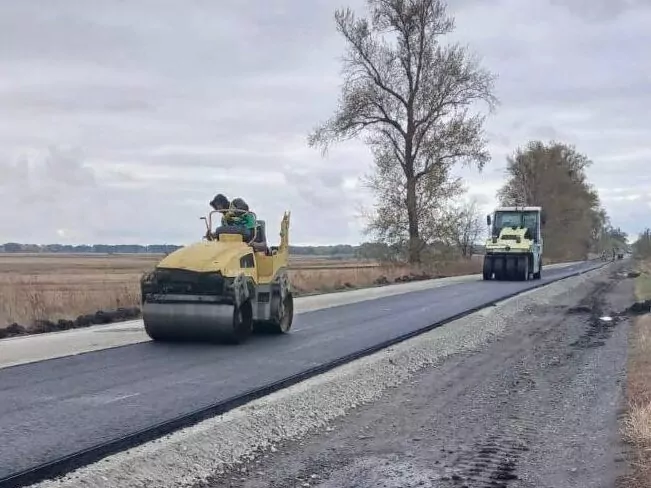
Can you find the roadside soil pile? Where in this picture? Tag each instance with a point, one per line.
(98, 318)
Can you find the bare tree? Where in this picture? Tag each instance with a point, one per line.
(467, 227)
(411, 98)
(390, 223)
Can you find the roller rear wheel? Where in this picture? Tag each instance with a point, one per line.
(487, 272)
(523, 268)
(242, 323)
(287, 317)
(283, 322)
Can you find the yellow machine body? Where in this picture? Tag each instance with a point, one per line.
(515, 246)
(221, 288)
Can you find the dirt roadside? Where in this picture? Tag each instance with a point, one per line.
(636, 424)
(537, 408)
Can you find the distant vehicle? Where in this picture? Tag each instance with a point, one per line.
(515, 247)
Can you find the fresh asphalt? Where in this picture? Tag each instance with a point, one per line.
(57, 407)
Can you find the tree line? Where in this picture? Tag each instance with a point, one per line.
(415, 102)
(367, 250)
(553, 175)
(16, 247)
(338, 250)
(642, 246)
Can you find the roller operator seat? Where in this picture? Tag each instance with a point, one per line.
(259, 244)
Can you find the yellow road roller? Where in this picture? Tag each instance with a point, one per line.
(514, 249)
(221, 289)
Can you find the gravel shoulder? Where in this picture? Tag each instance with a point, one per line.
(536, 407)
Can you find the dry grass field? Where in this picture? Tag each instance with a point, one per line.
(37, 287)
(637, 424)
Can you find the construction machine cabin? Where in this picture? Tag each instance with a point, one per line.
(515, 247)
(220, 289)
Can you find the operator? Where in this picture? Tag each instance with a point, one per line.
(235, 213)
(241, 218)
(220, 202)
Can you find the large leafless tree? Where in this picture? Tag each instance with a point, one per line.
(414, 100)
(389, 222)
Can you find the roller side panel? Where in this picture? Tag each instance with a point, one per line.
(262, 303)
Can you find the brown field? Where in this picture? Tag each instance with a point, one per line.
(637, 423)
(63, 286)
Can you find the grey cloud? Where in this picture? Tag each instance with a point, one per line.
(498, 138)
(84, 99)
(547, 132)
(631, 215)
(66, 167)
(170, 101)
(181, 40)
(601, 10)
(60, 195)
(480, 198)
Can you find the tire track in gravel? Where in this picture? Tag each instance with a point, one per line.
(496, 418)
(486, 462)
(493, 461)
(459, 382)
(505, 448)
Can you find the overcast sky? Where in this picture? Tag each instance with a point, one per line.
(121, 119)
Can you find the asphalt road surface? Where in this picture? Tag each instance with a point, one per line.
(53, 408)
(536, 409)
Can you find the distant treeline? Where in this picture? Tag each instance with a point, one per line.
(14, 247)
(339, 251)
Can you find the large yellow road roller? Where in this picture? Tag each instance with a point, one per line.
(221, 289)
(514, 249)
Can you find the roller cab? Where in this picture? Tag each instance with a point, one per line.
(220, 289)
(514, 250)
